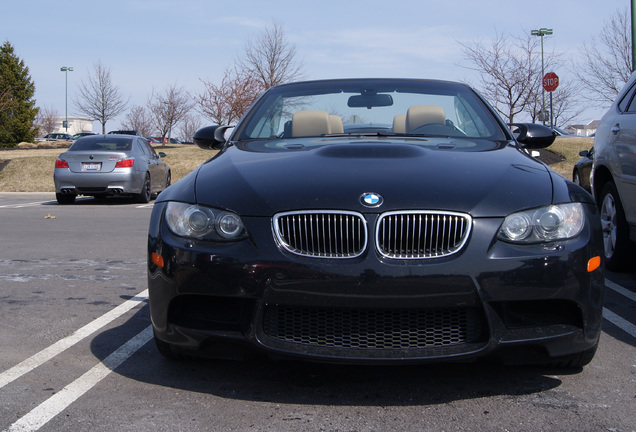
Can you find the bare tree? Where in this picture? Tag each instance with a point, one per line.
(188, 126)
(138, 118)
(168, 108)
(270, 58)
(226, 103)
(99, 98)
(566, 105)
(510, 72)
(48, 120)
(606, 62)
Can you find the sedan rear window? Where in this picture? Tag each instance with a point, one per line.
(102, 144)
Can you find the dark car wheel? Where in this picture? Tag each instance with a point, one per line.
(65, 199)
(144, 196)
(615, 232)
(576, 177)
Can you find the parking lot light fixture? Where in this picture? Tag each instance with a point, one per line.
(66, 70)
(541, 33)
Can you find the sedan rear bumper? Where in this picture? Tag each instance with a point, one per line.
(119, 181)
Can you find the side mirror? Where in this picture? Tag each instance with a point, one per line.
(211, 137)
(162, 155)
(533, 135)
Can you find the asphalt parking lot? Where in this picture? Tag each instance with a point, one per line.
(77, 353)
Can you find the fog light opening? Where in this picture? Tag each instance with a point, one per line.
(593, 264)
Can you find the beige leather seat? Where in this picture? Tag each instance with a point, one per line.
(310, 123)
(335, 124)
(399, 123)
(419, 115)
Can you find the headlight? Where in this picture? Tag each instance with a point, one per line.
(205, 223)
(545, 224)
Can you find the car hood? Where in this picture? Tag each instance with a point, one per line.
(408, 176)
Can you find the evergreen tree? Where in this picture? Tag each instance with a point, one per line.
(17, 106)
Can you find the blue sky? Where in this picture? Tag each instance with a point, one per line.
(150, 44)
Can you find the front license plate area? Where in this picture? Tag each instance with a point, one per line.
(90, 166)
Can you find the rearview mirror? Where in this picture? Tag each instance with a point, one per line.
(370, 100)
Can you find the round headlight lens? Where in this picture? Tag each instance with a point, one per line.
(548, 221)
(198, 221)
(517, 227)
(229, 225)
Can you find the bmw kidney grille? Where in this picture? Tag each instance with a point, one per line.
(398, 235)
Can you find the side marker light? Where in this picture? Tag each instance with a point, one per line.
(158, 259)
(593, 264)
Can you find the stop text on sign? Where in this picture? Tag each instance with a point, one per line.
(550, 81)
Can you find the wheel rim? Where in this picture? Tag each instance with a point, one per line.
(609, 225)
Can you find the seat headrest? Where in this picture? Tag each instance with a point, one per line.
(310, 123)
(399, 123)
(335, 124)
(419, 115)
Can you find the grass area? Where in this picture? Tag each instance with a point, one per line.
(569, 148)
(31, 169)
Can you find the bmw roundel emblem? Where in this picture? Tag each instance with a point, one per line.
(371, 199)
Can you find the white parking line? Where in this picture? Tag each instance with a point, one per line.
(63, 344)
(620, 322)
(54, 405)
(619, 289)
(615, 319)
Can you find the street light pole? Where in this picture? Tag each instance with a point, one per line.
(542, 32)
(66, 69)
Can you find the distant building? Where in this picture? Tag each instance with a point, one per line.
(75, 125)
(583, 130)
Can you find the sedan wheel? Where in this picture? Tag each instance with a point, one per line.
(576, 177)
(144, 196)
(615, 241)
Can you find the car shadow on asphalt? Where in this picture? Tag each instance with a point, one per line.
(299, 382)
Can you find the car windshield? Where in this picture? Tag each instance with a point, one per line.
(102, 143)
(373, 107)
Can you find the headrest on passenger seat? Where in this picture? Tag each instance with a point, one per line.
(419, 115)
(310, 123)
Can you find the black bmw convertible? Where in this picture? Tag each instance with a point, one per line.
(376, 220)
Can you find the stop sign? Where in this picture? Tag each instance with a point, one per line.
(550, 81)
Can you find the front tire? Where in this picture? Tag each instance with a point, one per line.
(615, 230)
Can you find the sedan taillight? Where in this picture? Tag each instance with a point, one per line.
(61, 164)
(126, 163)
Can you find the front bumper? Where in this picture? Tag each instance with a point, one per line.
(491, 299)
